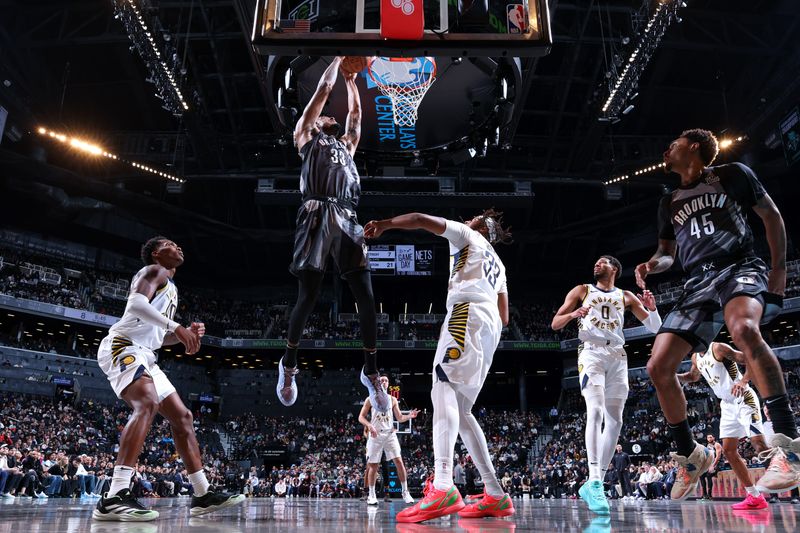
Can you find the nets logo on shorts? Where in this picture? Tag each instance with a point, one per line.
(746, 280)
(452, 354)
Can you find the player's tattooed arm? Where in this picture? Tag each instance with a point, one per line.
(693, 374)
(571, 308)
(304, 130)
(353, 125)
(660, 262)
(776, 238)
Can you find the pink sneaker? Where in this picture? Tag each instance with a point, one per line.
(751, 503)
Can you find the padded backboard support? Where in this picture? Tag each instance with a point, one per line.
(476, 28)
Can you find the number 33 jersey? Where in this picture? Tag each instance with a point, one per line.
(476, 272)
(708, 218)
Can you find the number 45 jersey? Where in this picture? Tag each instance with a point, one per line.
(477, 275)
(708, 218)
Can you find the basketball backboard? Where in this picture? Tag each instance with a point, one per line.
(459, 28)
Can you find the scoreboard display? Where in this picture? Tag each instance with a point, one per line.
(401, 260)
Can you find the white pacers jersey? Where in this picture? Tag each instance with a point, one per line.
(603, 325)
(476, 273)
(720, 376)
(165, 300)
(383, 421)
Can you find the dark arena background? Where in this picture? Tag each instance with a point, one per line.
(121, 120)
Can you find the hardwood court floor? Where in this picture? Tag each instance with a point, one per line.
(352, 516)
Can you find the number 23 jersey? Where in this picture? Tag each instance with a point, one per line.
(708, 218)
(476, 272)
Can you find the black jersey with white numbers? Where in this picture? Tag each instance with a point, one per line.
(708, 219)
(328, 170)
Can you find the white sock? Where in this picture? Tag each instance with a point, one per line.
(752, 491)
(199, 483)
(445, 432)
(121, 480)
(372, 490)
(475, 441)
(404, 485)
(611, 430)
(594, 397)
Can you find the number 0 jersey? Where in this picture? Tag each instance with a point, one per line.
(328, 170)
(707, 219)
(165, 300)
(476, 272)
(606, 318)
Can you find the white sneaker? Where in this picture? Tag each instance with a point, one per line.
(7, 496)
(783, 473)
(41, 495)
(286, 394)
(377, 396)
(407, 497)
(372, 500)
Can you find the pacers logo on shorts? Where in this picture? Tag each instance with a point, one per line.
(452, 354)
(580, 368)
(126, 362)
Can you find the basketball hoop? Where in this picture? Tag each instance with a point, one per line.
(405, 80)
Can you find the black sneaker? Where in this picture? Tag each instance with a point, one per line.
(214, 501)
(122, 507)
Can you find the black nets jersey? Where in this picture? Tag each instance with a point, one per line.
(328, 170)
(708, 219)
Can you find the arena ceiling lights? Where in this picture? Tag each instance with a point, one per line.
(87, 147)
(623, 86)
(724, 144)
(161, 58)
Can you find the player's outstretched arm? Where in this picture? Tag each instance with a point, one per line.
(352, 132)
(660, 262)
(693, 375)
(571, 308)
(410, 221)
(304, 129)
(644, 308)
(142, 291)
(776, 238)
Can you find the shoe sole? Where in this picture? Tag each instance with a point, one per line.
(604, 511)
(487, 513)
(422, 516)
(236, 500)
(109, 517)
(759, 488)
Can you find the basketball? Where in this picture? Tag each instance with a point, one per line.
(355, 64)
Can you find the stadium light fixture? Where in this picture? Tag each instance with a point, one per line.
(96, 150)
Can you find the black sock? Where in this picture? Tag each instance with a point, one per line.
(780, 412)
(682, 435)
(290, 357)
(370, 362)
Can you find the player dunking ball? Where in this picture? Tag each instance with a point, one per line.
(704, 221)
(477, 309)
(741, 410)
(127, 358)
(327, 227)
(382, 440)
(603, 364)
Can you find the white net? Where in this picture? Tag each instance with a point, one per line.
(405, 83)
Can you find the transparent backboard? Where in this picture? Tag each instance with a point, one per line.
(462, 28)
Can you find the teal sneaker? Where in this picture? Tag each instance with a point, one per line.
(592, 493)
(600, 524)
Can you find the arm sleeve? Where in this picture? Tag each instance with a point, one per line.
(457, 233)
(665, 229)
(139, 307)
(742, 185)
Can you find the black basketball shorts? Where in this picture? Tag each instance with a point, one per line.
(698, 314)
(326, 229)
